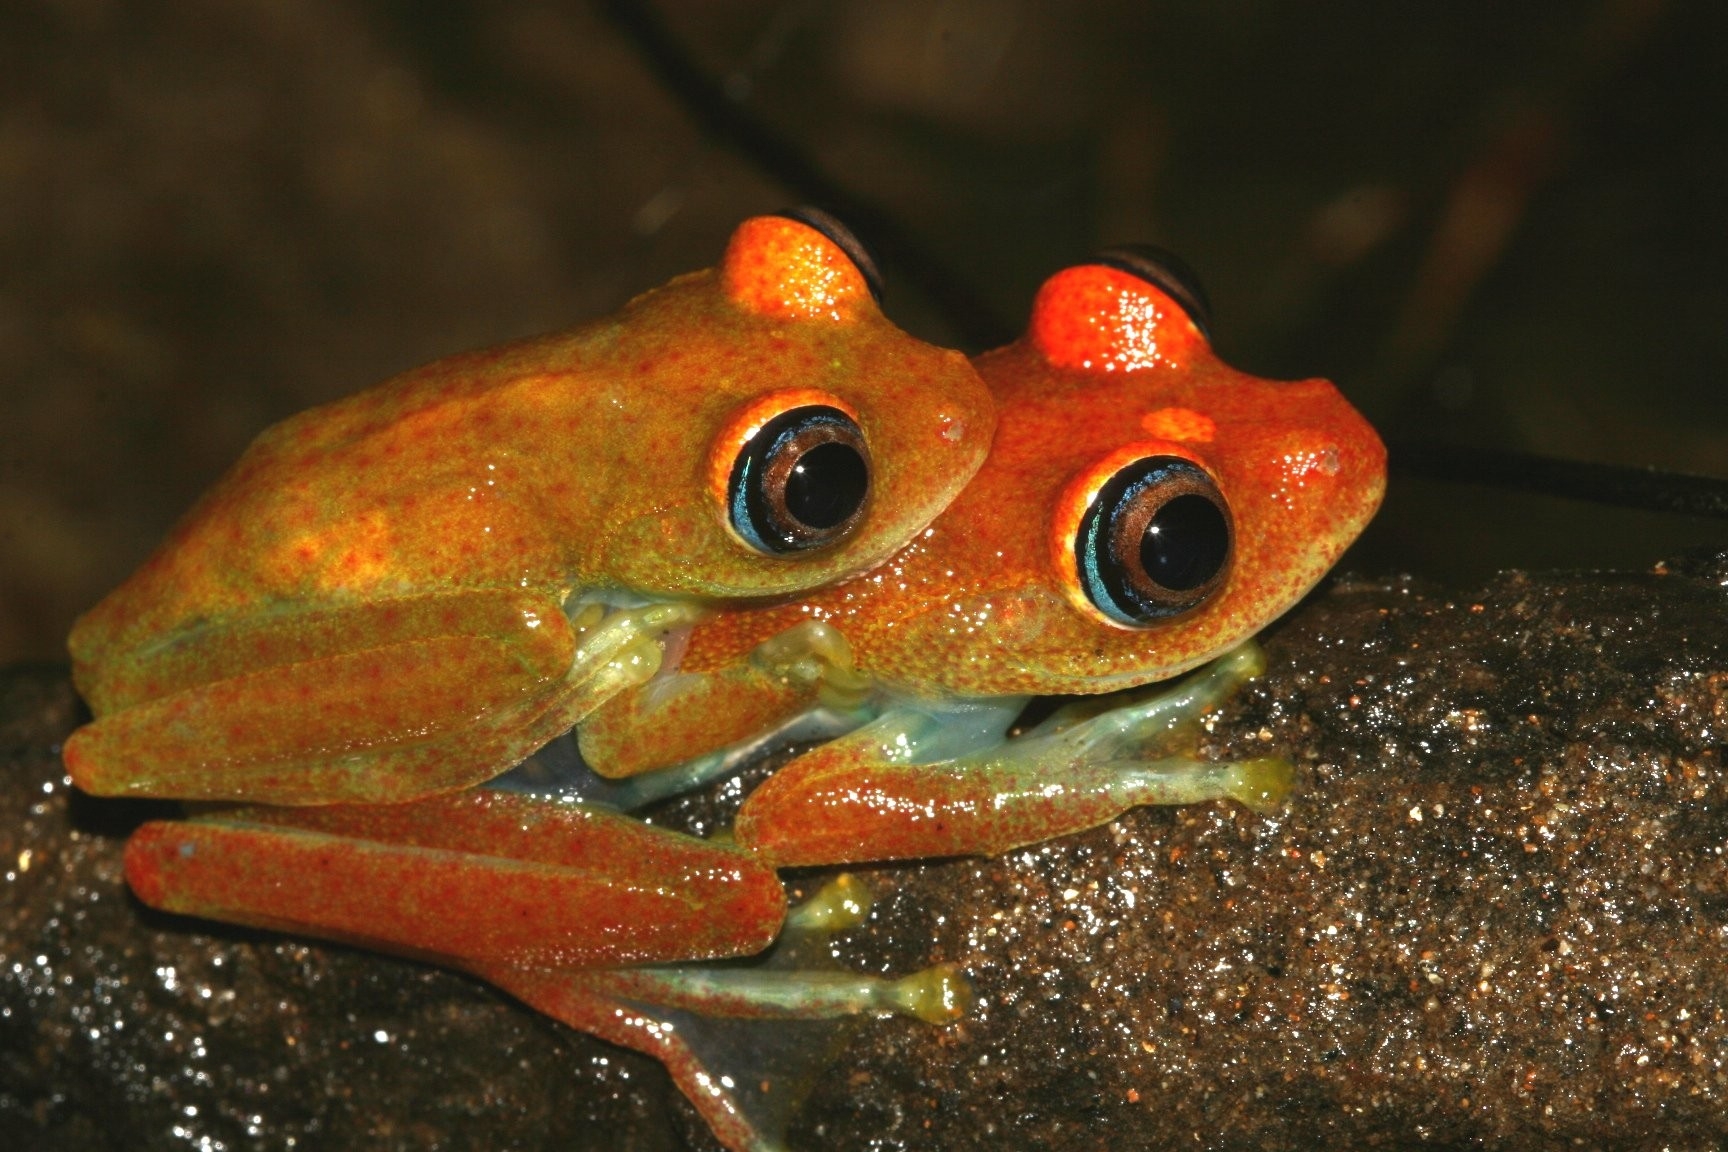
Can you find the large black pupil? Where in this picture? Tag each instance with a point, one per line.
(1185, 544)
(827, 485)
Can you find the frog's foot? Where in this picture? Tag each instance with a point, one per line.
(816, 653)
(742, 1041)
(1166, 720)
(569, 999)
(746, 1074)
(1261, 784)
(688, 730)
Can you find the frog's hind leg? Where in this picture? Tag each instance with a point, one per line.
(567, 999)
(892, 790)
(446, 692)
(552, 902)
(743, 1041)
(478, 878)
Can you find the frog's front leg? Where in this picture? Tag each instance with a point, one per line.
(916, 784)
(686, 730)
(377, 702)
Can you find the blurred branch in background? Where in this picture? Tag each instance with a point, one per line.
(1527, 136)
(728, 121)
(1647, 489)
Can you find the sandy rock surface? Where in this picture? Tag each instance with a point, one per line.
(1495, 911)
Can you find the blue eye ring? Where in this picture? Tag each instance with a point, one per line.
(802, 481)
(1155, 542)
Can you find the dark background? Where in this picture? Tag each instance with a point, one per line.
(1493, 224)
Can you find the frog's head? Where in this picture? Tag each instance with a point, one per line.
(802, 437)
(1144, 508)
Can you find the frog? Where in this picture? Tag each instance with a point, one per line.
(405, 592)
(1144, 510)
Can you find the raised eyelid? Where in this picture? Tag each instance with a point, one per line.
(785, 268)
(1096, 318)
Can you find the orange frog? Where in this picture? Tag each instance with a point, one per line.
(408, 591)
(1144, 509)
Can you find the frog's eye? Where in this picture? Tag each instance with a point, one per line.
(798, 473)
(1166, 272)
(1154, 541)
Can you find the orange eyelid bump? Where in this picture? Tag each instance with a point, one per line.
(1101, 319)
(743, 424)
(1076, 500)
(787, 270)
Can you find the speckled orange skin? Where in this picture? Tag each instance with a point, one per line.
(974, 606)
(981, 603)
(392, 566)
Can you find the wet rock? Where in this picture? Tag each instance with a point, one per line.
(121, 1028)
(1495, 912)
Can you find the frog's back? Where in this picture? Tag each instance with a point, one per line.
(427, 479)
